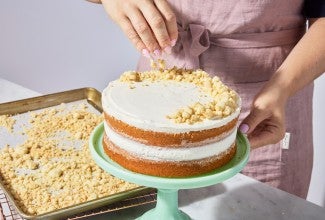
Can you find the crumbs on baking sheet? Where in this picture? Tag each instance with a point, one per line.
(47, 172)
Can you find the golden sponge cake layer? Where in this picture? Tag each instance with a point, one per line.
(186, 139)
(167, 168)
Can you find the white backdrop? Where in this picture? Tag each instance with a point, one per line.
(51, 46)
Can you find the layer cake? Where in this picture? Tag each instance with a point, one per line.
(170, 122)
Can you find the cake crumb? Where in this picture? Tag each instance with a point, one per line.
(159, 64)
(8, 122)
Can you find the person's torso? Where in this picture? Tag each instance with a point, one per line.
(240, 16)
(241, 41)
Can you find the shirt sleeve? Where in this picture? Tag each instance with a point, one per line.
(314, 8)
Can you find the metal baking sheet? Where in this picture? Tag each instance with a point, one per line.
(20, 109)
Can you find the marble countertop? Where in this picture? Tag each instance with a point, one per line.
(240, 197)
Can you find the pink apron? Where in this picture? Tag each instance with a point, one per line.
(244, 42)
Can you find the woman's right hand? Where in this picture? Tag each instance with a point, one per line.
(149, 24)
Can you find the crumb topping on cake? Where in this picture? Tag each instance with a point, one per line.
(224, 100)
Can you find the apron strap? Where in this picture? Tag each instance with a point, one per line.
(259, 40)
(195, 39)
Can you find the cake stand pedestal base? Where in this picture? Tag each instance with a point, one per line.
(167, 196)
(166, 208)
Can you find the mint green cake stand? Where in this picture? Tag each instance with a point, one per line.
(167, 196)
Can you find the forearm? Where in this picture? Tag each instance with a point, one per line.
(305, 62)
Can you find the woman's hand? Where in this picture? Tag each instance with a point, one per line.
(149, 24)
(266, 122)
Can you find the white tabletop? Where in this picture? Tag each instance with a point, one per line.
(240, 197)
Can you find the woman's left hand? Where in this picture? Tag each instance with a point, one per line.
(266, 122)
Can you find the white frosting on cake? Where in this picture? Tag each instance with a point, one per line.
(145, 105)
(170, 154)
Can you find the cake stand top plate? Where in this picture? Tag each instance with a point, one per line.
(216, 176)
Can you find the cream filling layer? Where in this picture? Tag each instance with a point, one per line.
(170, 154)
(145, 106)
